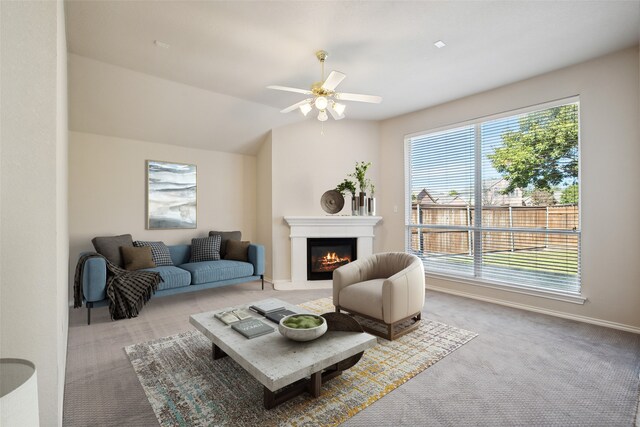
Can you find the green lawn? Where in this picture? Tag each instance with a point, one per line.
(541, 260)
(546, 260)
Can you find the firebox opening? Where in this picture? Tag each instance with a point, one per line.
(327, 254)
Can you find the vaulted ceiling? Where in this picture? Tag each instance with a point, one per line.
(234, 49)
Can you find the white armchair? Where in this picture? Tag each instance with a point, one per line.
(385, 287)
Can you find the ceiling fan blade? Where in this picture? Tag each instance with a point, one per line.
(296, 105)
(333, 80)
(290, 89)
(335, 115)
(358, 97)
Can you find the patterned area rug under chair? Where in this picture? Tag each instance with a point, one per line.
(186, 387)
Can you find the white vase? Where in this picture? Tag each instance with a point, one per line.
(19, 399)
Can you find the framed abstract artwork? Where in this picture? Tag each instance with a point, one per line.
(171, 195)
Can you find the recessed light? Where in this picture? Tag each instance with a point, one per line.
(439, 44)
(162, 44)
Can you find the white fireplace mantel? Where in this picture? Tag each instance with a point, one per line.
(332, 226)
(304, 227)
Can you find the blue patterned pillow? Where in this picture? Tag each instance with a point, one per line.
(159, 252)
(205, 249)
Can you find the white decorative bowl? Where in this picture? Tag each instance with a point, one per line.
(302, 334)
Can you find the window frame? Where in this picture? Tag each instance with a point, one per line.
(561, 295)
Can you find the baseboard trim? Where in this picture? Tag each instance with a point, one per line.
(576, 317)
(288, 285)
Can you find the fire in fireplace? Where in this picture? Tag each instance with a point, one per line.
(328, 262)
(326, 254)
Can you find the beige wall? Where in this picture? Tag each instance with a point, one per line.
(610, 151)
(106, 99)
(62, 206)
(265, 202)
(305, 164)
(34, 244)
(107, 192)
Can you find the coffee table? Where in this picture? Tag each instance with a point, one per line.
(284, 367)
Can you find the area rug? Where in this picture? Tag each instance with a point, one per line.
(186, 387)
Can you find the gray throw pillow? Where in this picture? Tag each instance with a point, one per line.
(109, 247)
(205, 249)
(226, 236)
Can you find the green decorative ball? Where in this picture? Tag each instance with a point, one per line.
(302, 322)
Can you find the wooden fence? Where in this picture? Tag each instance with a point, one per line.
(442, 241)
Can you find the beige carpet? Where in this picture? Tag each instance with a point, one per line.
(186, 387)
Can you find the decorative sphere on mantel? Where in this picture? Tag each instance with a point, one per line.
(332, 202)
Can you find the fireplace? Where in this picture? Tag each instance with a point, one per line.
(360, 228)
(326, 254)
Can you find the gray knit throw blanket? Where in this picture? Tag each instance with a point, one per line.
(128, 291)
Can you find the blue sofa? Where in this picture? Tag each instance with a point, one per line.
(183, 276)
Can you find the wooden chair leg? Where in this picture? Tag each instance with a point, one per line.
(390, 331)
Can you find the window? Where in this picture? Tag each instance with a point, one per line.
(497, 199)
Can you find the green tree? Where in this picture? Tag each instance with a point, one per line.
(454, 193)
(570, 195)
(543, 152)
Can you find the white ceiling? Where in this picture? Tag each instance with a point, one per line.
(237, 48)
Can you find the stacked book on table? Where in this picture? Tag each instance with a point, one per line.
(241, 319)
(234, 315)
(271, 310)
(252, 327)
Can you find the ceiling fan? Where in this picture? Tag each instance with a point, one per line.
(324, 96)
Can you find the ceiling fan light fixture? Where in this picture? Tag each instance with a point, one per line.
(339, 108)
(321, 103)
(323, 95)
(334, 114)
(305, 108)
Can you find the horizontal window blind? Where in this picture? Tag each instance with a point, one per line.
(497, 200)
